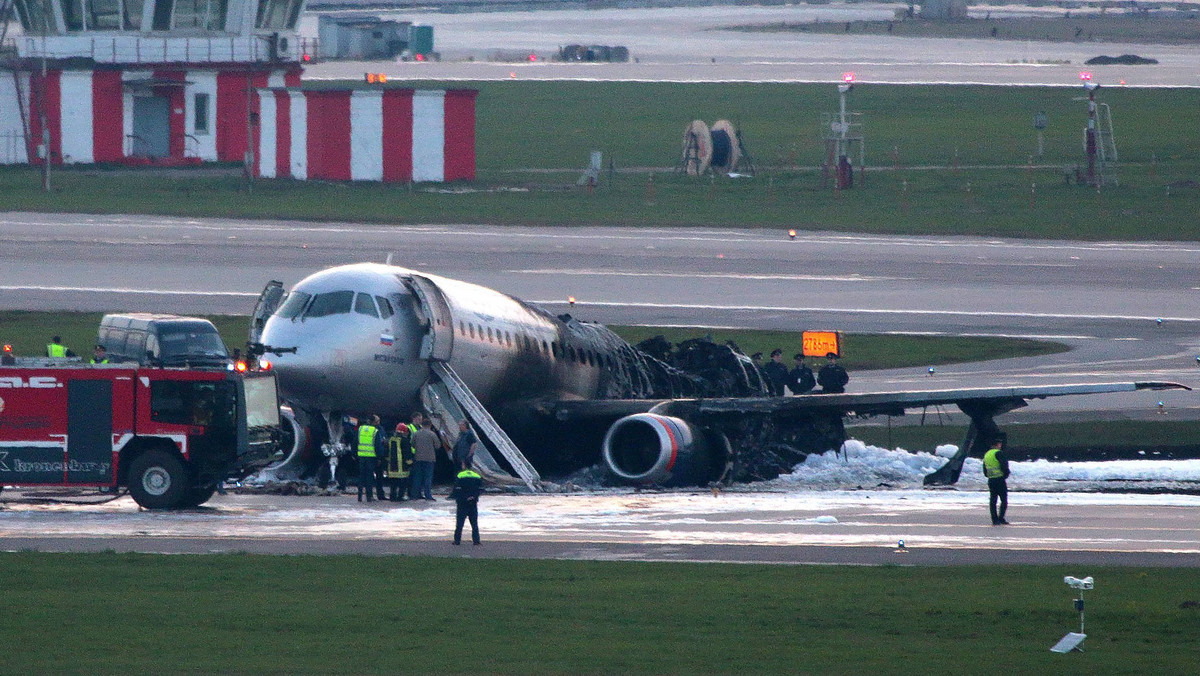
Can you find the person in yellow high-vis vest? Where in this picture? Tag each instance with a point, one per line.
(995, 468)
(370, 445)
(55, 348)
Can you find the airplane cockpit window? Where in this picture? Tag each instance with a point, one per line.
(294, 304)
(385, 307)
(332, 303)
(364, 305)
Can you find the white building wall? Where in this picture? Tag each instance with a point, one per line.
(13, 146)
(205, 145)
(429, 135)
(76, 111)
(366, 136)
(267, 134)
(299, 127)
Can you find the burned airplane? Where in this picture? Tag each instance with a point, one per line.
(552, 394)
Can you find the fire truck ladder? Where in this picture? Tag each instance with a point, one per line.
(463, 397)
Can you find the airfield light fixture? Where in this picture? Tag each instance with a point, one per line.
(1073, 640)
(848, 76)
(931, 370)
(1197, 358)
(1158, 322)
(1086, 76)
(8, 350)
(791, 234)
(571, 300)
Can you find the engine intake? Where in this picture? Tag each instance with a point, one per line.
(648, 448)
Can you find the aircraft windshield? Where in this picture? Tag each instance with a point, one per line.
(291, 307)
(333, 303)
(364, 305)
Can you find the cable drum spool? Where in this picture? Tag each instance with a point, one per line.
(697, 148)
(726, 149)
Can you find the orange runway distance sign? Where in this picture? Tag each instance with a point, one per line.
(821, 343)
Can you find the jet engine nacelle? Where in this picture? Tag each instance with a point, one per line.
(649, 448)
(297, 448)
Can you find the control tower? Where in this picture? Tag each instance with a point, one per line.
(165, 82)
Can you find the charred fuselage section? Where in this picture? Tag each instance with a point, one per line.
(663, 428)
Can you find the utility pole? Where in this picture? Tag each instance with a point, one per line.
(45, 127)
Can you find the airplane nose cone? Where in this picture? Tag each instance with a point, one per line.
(346, 364)
(303, 375)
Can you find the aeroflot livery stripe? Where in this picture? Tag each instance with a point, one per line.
(674, 442)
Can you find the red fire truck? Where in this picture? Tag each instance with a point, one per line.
(168, 434)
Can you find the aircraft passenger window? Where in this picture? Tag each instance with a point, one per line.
(472, 327)
(490, 335)
(332, 303)
(294, 304)
(385, 307)
(508, 338)
(545, 348)
(462, 329)
(363, 305)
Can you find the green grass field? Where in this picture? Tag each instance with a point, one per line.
(916, 136)
(136, 614)
(28, 333)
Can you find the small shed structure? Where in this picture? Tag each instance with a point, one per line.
(392, 134)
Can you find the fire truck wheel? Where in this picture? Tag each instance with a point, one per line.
(198, 495)
(158, 480)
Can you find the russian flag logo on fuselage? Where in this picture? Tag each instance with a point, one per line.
(387, 339)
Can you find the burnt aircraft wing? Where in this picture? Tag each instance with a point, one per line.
(690, 441)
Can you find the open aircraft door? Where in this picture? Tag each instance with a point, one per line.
(268, 301)
(439, 327)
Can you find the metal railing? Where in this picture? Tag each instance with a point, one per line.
(142, 49)
(13, 149)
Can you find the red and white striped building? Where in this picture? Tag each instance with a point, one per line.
(101, 115)
(392, 134)
(173, 82)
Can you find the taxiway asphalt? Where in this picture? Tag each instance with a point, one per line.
(817, 527)
(690, 44)
(1102, 298)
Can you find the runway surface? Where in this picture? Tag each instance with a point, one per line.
(1104, 299)
(687, 44)
(842, 527)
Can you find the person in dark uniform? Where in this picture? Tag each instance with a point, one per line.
(468, 486)
(832, 377)
(801, 379)
(995, 468)
(776, 373)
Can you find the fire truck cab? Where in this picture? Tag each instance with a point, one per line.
(170, 435)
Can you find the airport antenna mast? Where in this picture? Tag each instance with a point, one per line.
(844, 136)
(1098, 140)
